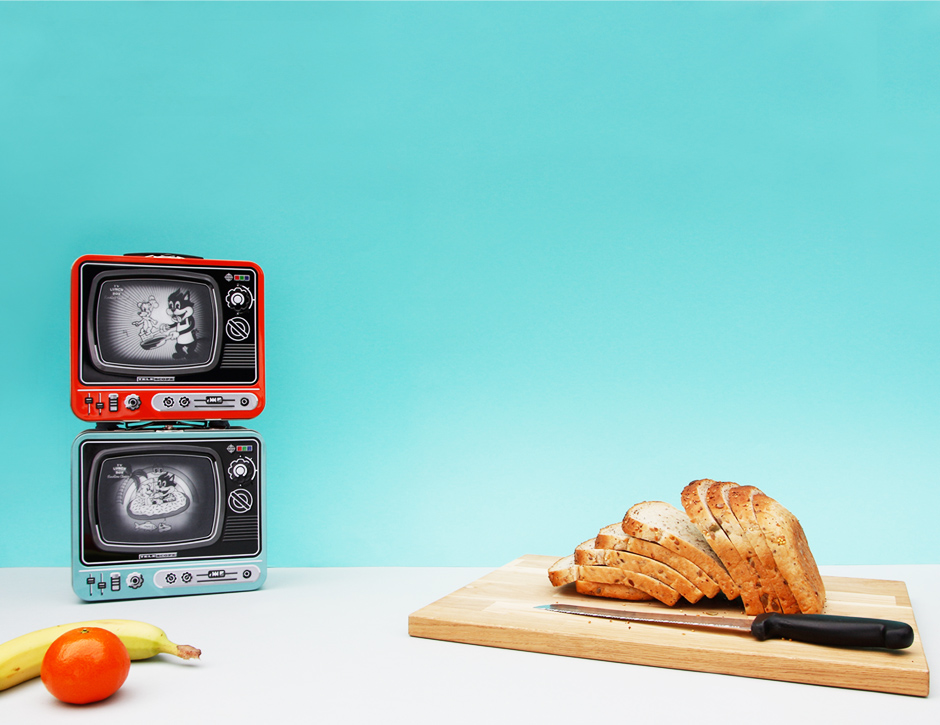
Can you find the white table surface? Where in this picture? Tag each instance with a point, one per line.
(331, 645)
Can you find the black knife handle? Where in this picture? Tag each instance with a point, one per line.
(834, 630)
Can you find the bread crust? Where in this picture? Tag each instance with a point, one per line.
(739, 499)
(694, 501)
(685, 541)
(791, 552)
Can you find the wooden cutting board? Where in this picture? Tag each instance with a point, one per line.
(498, 610)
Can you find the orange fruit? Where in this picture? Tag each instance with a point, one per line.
(85, 665)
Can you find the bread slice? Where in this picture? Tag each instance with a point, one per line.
(720, 507)
(611, 591)
(612, 537)
(587, 555)
(655, 569)
(694, 501)
(790, 549)
(664, 524)
(565, 571)
(615, 575)
(739, 499)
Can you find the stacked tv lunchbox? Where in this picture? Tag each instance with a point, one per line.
(168, 491)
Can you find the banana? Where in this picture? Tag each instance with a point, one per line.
(21, 658)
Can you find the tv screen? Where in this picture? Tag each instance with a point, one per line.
(153, 499)
(154, 324)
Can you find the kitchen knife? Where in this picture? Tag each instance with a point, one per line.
(826, 629)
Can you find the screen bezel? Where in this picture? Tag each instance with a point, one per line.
(90, 514)
(164, 274)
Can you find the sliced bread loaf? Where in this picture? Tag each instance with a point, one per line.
(730, 539)
(664, 524)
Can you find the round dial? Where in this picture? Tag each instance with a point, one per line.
(239, 298)
(241, 470)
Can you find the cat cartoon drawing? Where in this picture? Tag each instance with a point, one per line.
(183, 331)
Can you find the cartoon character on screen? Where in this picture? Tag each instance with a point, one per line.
(183, 329)
(157, 498)
(150, 333)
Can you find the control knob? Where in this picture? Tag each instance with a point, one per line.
(239, 298)
(241, 470)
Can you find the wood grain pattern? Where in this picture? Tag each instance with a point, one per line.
(499, 610)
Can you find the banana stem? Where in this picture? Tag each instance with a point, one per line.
(187, 652)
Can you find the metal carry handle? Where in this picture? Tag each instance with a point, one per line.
(162, 254)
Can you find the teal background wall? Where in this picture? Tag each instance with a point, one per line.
(526, 264)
